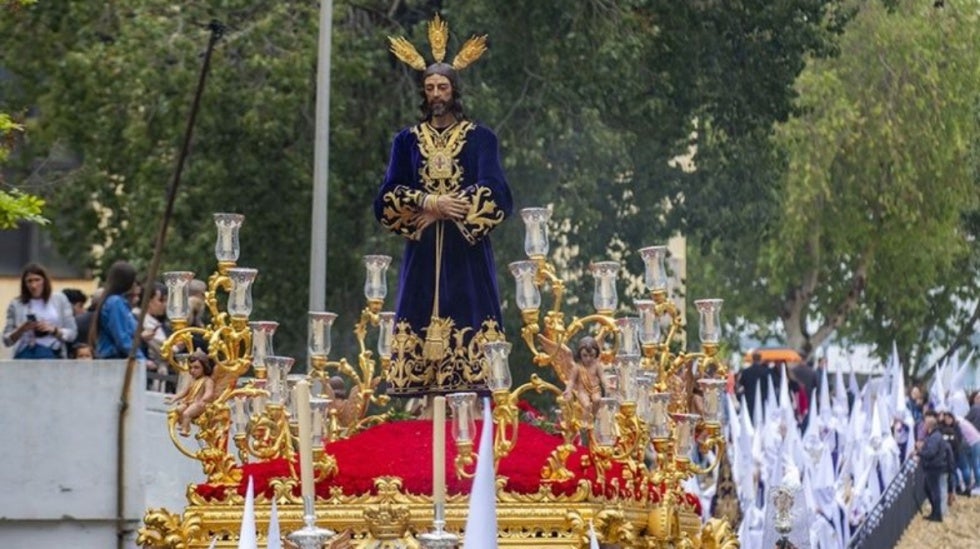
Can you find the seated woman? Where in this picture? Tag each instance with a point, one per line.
(39, 321)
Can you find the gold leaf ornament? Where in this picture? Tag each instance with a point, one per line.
(438, 38)
(470, 52)
(406, 52)
(438, 34)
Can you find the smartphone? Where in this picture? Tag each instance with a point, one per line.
(38, 333)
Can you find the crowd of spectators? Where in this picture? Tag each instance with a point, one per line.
(945, 427)
(754, 383)
(948, 442)
(42, 323)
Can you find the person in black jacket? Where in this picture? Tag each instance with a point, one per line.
(933, 454)
(954, 437)
(751, 379)
(973, 416)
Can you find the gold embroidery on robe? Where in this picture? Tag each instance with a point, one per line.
(483, 215)
(440, 170)
(400, 211)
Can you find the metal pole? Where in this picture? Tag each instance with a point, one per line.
(217, 31)
(321, 163)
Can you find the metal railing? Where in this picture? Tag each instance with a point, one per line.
(888, 519)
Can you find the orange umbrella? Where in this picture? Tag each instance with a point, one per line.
(774, 354)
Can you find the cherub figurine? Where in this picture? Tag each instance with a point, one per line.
(345, 403)
(582, 373)
(192, 400)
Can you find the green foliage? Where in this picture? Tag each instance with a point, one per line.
(591, 100)
(880, 176)
(16, 206)
(8, 129)
(13, 5)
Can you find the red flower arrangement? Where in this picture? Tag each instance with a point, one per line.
(404, 449)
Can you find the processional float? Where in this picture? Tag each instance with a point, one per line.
(346, 461)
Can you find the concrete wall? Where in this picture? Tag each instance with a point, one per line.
(59, 423)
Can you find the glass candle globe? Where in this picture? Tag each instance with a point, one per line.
(649, 324)
(628, 366)
(629, 335)
(644, 383)
(376, 281)
(178, 285)
(290, 396)
(239, 416)
(684, 425)
(277, 368)
(659, 427)
(655, 267)
(386, 333)
(536, 231)
(464, 416)
(256, 404)
(320, 323)
(240, 297)
(604, 298)
(612, 381)
(320, 426)
(709, 313)
(262, 333)
(604, 429)
(711, 391)
(226, 247)
(498, 376)
(528, 297)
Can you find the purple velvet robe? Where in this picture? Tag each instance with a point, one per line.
(467, 283)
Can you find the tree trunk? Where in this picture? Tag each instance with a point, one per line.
(794, 309)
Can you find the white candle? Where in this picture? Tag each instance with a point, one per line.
(226, 240)
(648, 325)
(463, 421)
(709, 323)
(301, 396)
(439, 451)
(499, 367)
(240, 411)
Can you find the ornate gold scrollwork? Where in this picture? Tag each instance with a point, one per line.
(389, 518)
(506, 413)
(674, 372)
(229, 338)
(611, 526)
(218, 464)
(165, 530)
(620, 508)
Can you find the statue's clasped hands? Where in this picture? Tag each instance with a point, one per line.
(442, 206)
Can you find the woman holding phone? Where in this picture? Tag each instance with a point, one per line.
(39, 321)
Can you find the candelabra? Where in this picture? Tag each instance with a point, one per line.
(260, 411)
(652, 390)
(264, 415)
(348, 415)
(629, 417)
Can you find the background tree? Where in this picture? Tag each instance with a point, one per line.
(15, 205)
(603, 96)
(875, 236)
(591, 100)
